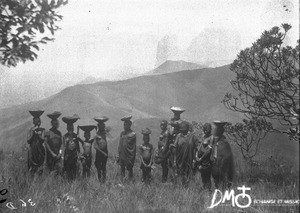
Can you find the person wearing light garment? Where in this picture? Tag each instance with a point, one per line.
(53, 144)
(146, 154)
(35, 139)
(127, 148)
(100, 145)
(185, 147)
(86, 157)
(72, 149)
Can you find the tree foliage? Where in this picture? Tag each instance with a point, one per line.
(21, 24)
(248, 135)
(267, 79)
(294, 132)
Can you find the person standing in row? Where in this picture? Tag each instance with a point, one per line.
(185, 145)
(203, 153)
(86, 157)
(175, 121)
(100, 145)
(127, 148)
(165, 139)
(174, 131)
(35, 139)
(72, 149)
(53, 144)
(221, 156)
(146, 154)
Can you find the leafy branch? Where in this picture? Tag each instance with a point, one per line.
(21, 24)
(248, 135)
(267, 79)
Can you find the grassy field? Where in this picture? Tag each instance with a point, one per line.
(269, 180)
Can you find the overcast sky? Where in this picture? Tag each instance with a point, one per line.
(100, 35)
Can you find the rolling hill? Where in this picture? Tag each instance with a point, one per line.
(147, 98)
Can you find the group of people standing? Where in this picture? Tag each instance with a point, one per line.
(178, 148)
(185, 153)
(50, 148)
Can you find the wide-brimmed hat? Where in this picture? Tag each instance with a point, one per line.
(177, 110)
(219, 124)
(70, 119)
(87, 128)
(54, 115)
(146, 131)
(36, 113)
(101, 119)
(126, 118)
(218, 127)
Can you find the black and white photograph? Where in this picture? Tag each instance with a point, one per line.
(149, 106)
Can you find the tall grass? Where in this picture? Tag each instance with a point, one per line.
(53, 194)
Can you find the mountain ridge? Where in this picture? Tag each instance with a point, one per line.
(145, 97)
(170, 66)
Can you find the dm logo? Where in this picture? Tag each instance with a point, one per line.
(231, 196)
